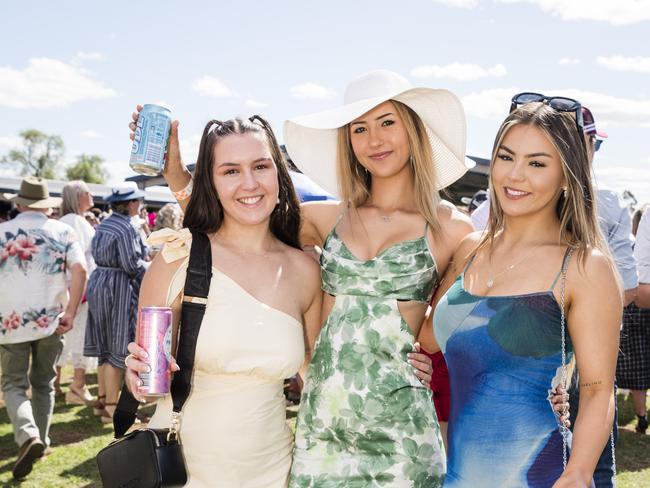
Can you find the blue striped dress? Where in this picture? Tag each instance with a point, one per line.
(113, 289)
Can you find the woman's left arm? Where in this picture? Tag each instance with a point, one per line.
(593, 322)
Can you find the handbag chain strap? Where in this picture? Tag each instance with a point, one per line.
(565, 430)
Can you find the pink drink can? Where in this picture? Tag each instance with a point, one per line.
(154, 334)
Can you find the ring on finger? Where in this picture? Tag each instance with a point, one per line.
(126, 360)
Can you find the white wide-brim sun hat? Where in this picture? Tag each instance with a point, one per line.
(311, 139)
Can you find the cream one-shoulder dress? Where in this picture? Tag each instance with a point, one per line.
(234, 429)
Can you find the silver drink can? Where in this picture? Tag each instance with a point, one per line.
(150, 141)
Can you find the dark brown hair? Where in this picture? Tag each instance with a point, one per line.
(122, 207)
(204, 211)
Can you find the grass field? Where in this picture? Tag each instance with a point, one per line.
(77, 436)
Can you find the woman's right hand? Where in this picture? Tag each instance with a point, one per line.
(137, 362)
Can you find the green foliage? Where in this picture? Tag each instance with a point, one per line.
(88, 168)
(40, 155)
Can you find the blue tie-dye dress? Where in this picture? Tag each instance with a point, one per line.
(504, 354)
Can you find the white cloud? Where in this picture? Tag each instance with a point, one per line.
(458, 3)
(569, 61)
(310, 90)
(48, 83)
(459, 71)
(250, 103)
(212, 87)
(608, 110)
(619, 12)
(612, 110)
(90, 134)
(489, 104)
(623, 63)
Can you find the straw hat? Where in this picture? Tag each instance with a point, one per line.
(34, 193)
(311, 139)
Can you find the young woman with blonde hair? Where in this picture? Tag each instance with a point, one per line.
(536, 290)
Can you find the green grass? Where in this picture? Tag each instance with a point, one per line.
(77, 436)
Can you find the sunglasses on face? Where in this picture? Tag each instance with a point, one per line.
(561, 104)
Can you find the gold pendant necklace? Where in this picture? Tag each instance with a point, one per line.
(490, 281)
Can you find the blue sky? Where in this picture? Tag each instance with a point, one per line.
(77, 69)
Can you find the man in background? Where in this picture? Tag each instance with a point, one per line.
(35, 312)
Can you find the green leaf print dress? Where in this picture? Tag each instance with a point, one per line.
(365, 420)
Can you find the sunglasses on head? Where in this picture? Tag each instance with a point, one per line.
(561, 104)
(596, 143)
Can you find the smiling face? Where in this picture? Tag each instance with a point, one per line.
(527, 176)
(380, 142)
(245, 177)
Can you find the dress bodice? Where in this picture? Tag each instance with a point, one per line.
(240, 335)
(403, 271)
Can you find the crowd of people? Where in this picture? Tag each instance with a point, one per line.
(434, 344)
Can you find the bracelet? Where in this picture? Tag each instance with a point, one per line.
(185, 193)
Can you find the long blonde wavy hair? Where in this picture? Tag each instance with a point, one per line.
(577, 210)
(355, 181)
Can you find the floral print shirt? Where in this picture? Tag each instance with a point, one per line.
(35, 251)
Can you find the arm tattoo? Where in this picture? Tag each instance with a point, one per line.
(591, 383)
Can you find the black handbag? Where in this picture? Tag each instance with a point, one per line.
(153, 458)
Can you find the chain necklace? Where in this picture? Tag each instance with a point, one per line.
(490, 282)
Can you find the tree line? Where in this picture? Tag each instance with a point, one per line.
(41, 155)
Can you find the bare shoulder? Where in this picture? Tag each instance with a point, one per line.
(302, 263)
(318, 218)
(596, 271)
(304, 272)
(322, 212)
(449, 215)
(157, 279)
(454, 223)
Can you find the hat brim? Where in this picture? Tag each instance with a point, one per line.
(50, 202)
(136, 195)
(311, 140)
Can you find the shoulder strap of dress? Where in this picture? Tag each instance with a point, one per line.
(469, 263)
(565, 265)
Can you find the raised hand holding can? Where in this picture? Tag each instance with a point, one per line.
(150, 140)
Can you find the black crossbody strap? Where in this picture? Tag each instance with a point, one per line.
(195, 294)
(195, 298)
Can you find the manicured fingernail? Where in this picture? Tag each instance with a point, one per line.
(145, 355)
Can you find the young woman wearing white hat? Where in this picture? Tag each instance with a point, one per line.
(364, 416)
